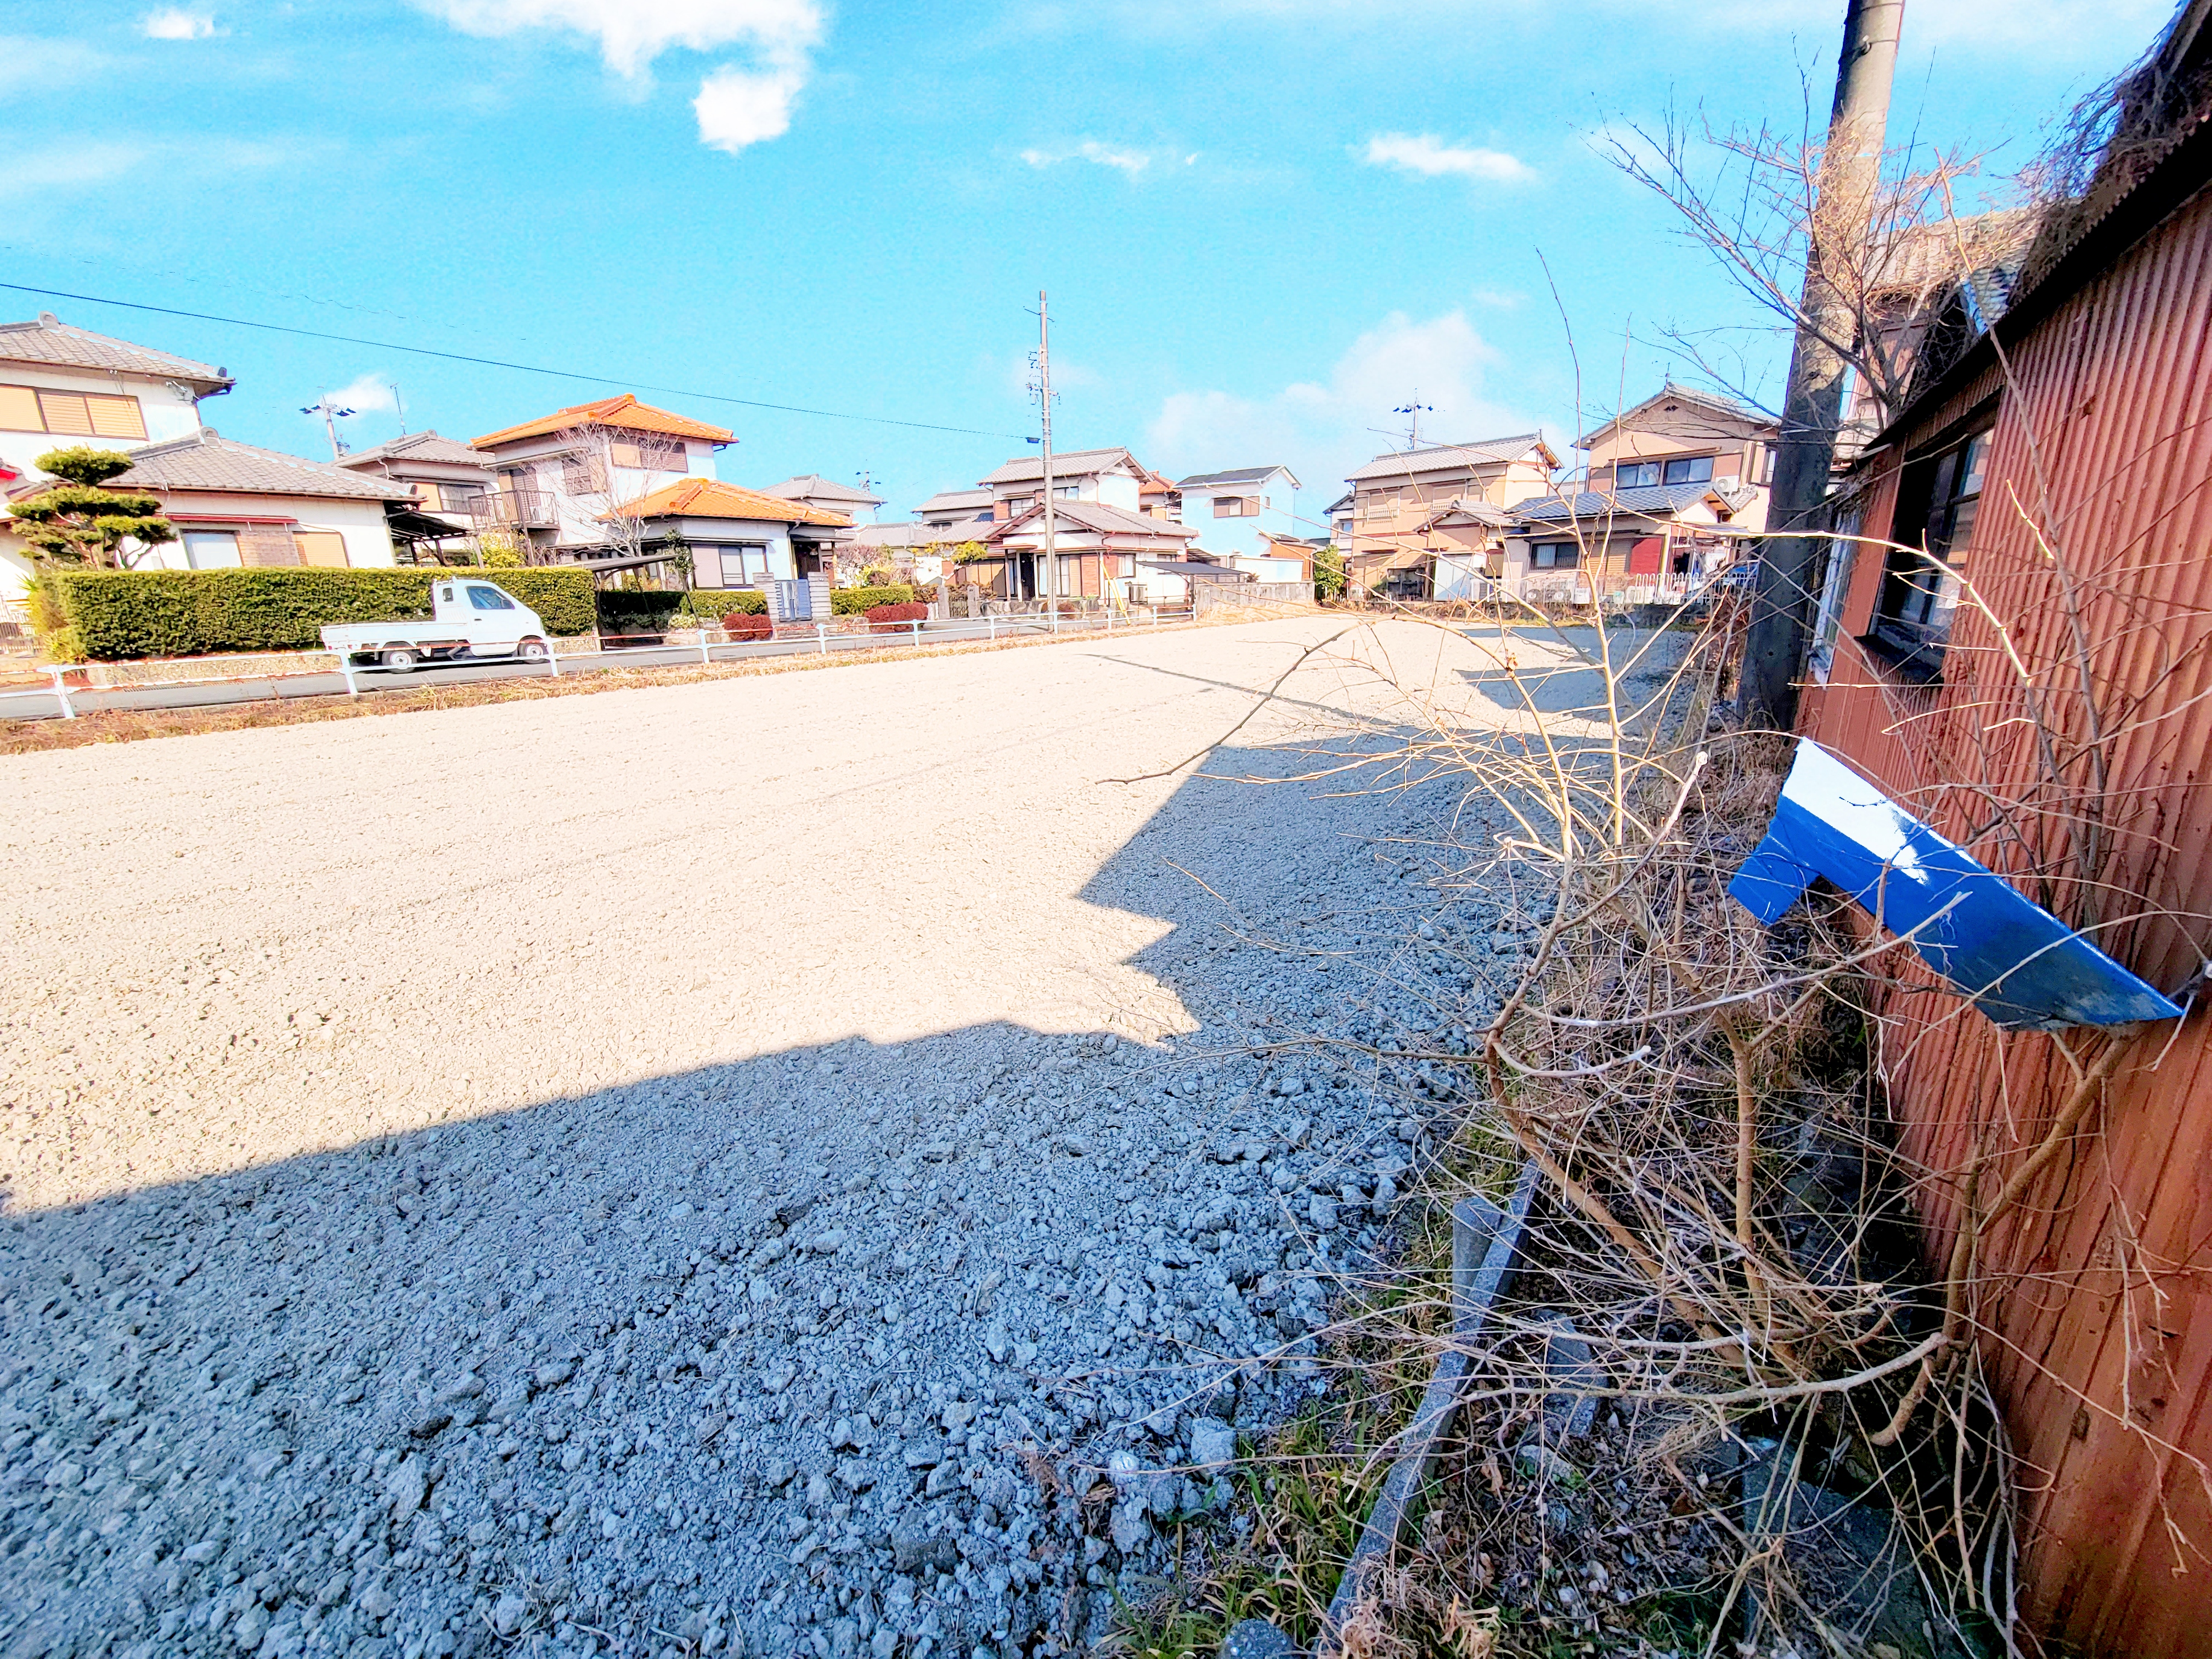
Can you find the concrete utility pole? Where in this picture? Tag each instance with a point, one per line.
(1812, 405)
(1044, 402)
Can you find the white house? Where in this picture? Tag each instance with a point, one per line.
(956, 509)
(1096, 547)
(737, 537)
(844, 500)
(234, 504)
(1239, 512)
(1112, 477)
(62, 387)
(562, 475)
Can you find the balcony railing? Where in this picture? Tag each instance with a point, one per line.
(517, 509)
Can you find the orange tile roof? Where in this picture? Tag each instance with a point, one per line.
(710, 498)
(624, 411)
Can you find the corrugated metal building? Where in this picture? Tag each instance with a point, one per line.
(2046, 700)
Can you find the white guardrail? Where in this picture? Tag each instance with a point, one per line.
(825, 641)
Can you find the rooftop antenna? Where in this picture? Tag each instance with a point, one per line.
(1413, 411)
(399, 404)
(332, 414)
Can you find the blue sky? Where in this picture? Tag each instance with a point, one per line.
(1263, 223)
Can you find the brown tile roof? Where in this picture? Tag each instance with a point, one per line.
(1074, 464)
(710, 498)
(624, 412)
(52, 343)
(212, 462)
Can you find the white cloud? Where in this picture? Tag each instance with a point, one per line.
(372, 393)
(736, 107)
(1129, 163)
(739, 104)
(1431, 158)
(1322, 429)
(175, 23)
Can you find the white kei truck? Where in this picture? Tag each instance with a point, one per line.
(473, 619)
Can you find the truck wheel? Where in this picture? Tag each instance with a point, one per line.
(401, 660)
(531, 651)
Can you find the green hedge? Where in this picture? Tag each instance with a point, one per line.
(120, 614)
(718, 602)
(858, 601)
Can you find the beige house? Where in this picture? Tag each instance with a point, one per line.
(63, 387)
(1408, 509)
(561, 477)
(1674, 487)
(234, 504)
(452, 486)
(1113, 478)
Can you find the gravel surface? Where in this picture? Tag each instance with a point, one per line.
(774, 1167)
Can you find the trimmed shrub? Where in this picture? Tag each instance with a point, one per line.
(858, 601)
(726, 602)
(748, 625)
(561, 599)
(121, 614)
(894, 618)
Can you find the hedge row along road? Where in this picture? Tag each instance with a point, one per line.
(656, 1162)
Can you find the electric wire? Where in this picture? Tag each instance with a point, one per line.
(522, 368)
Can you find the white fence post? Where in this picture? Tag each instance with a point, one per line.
(345, 672)
(992, 618)
(917, 631)
(821, 640)
(61, 692)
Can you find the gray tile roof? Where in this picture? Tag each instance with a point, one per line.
(1075, 463)
(813, 487)
(1237, 476)
(1672, 391)
(955, 501)
(1098, 517)
(212, 461)
(420, 446)
(1487, 451)
(52, 342)
(1646, 501)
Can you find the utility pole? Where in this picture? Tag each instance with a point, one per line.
(323, 407)
(1044, 402)
(1811, 405)
(400, 405)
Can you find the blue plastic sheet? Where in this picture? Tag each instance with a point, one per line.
(2015, 961)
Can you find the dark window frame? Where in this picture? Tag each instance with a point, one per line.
(1572, 561)
(1939, 496)
(1688, 465)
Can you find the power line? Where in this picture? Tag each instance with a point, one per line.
(520, 369)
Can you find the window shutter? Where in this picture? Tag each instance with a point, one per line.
(117, 416)
(65, 411)
(325, 549)
(19, 409)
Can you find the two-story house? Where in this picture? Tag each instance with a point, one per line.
(1674, 488)
(562, 477)
(1429, 522)
(843, 500)
(954, 510)
(452, 486)
(1238, 513)
(62, 387)
(1113, 478)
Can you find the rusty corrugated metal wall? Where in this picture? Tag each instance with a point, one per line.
(2099, 1325)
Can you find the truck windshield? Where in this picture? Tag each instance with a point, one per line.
(489, 598)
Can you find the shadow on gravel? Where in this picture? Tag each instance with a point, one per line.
(747, 1353)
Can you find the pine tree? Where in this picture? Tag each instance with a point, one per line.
(77, 522)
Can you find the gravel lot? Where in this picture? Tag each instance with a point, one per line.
(721, 1169)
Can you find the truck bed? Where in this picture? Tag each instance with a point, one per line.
(374, 636)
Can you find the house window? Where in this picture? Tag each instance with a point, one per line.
(1835, 588)
(650, 455)
(745, 565)
(325, 549)
(76, 413)
(581, 475)
(1017, 505)
(1067, 492)
(460, 497)
(1235, 507)
(1937, 500)
(1383, 504)
(1554, 555)
(1635, 474)
(211, 549)
(1690, 469)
